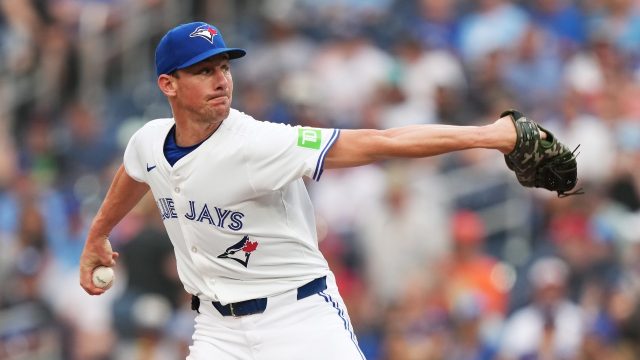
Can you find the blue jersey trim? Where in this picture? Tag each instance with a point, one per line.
(345, 321)
(320, 163)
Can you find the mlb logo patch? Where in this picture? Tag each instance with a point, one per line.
(206, 32)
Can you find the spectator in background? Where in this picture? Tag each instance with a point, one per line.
(471, 272)
(417, 325)
(349, 69)
(39, 158)
(476, 288)
(342, 195)
(344, 259)
(624, 187)
(436, 24)
(487, 90)
(495, 25)
(151, 315)
(152, 294)
(338, 13)
(279, 58)
(620, 21)
(88, 146)
(551, 326)
(420, 73)
(589, 71)
(624, 306)
(29, 328)
(533, 72)
(470, 332)
(150, 267)
(587, 250)
(283, 50)
(575, 124)
(401, 234)
(564, 19)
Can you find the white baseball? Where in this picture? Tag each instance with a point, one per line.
(103, 277)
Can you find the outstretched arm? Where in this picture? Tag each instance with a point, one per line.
(361, 147)
(122, 196)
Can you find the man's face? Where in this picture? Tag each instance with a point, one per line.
(205, 89)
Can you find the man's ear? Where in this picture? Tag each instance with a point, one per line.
(167, 84)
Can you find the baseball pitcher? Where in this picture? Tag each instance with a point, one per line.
(232, 198)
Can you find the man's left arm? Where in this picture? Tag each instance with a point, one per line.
(365, 146)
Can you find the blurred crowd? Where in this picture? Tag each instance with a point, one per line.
(439, 258)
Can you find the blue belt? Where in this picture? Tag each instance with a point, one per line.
(258, 306)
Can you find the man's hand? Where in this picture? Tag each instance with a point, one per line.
(97, 251)
(507, 129)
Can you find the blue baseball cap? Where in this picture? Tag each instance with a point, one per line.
(188, 44)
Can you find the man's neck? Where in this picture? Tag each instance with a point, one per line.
(189, 133)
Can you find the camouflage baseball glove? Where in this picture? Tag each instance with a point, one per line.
(541, 163)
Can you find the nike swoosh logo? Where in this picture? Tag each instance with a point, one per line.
(149, 168)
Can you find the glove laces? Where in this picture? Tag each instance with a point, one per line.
(562, 194)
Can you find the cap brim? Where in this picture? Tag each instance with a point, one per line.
(233, 53)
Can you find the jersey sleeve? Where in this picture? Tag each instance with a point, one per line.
(278, 154)
(131, 161)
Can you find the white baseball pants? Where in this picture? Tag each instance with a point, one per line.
(314, 328)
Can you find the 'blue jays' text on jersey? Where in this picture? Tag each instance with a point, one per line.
(236, 208)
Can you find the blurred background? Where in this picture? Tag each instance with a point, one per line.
(439, 258)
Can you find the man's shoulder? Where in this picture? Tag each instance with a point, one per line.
(245, 123)
(241, 119)
(154, 127)
(157, 124)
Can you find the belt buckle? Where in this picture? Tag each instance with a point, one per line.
(231, 308)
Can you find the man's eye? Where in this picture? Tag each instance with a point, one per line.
(205, 71)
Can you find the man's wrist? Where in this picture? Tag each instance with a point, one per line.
(98, 237)
(503, 134)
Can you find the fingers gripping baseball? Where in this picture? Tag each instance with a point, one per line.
(96, 253)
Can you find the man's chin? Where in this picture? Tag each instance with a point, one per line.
(219, 113)
(224, 113)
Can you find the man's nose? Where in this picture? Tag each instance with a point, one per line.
(221, 79)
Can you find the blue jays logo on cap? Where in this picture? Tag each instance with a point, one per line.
(206, 32)
(182, 47)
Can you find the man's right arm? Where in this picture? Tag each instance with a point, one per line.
(123, 195)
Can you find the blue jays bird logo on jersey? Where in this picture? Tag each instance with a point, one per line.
(245, 245)
(205, 32)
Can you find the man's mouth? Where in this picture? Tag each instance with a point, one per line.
(218, 99)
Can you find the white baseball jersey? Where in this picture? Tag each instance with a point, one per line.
(236, 208)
